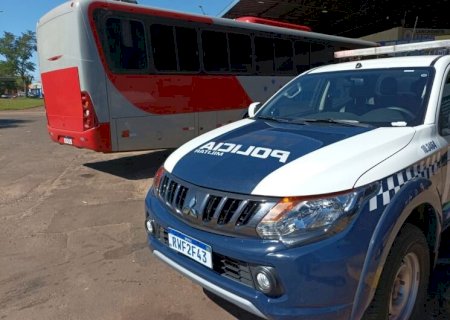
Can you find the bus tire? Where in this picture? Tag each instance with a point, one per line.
(402, 289)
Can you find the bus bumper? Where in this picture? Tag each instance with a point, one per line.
(97, 139)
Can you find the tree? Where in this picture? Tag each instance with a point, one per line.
(7, 81)
(18, 52)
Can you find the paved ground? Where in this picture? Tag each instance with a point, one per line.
(72, 242)
(72, 239)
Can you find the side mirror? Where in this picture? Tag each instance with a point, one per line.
(253, 108)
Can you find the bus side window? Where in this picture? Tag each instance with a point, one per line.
(264, 56)
(137, 53)
(113, 31)
(301, 58)
(283, 55)
(126, 44)
(321, 55)
(215, 51)
(187, 46)
(240, 52)
(163, 45)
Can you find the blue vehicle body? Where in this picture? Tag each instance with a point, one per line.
(231, 188)
(329, 279)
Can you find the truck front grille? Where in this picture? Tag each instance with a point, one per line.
(173, 193)
(212, 210)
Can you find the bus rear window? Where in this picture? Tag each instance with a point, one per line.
(126, 48)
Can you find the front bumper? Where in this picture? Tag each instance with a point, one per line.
(319, 280)
(233, 298)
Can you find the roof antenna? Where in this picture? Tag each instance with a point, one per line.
(404, 19)
(414, 29)
(201, 8)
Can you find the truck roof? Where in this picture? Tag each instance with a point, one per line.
(393, 62)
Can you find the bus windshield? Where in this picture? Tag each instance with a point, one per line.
(379, 97)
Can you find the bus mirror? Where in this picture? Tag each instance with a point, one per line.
(253, 108)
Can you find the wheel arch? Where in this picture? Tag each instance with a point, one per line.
(417, 203)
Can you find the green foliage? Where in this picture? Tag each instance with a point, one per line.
(18, 50)
(6, 69)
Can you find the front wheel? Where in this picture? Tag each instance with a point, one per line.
(402, 289)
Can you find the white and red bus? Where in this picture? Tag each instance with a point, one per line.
(121, 77)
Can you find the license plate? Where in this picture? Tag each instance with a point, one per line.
(67, 140)
(190, 247)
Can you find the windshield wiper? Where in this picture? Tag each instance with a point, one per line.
(276, 119)
(303, 121)
(351, 123)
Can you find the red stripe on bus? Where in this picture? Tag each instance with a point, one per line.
(172, 94)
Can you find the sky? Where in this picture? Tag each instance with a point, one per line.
(18, 16)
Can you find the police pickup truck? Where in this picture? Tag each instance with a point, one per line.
(328, 202)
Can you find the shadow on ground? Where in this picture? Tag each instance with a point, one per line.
(438, 304)
(135, 167)
(12, 123)
(438, 301)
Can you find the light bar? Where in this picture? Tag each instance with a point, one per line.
(427, 45)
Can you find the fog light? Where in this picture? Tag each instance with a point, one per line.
(263, 282)
(266, 281)
(149, 226)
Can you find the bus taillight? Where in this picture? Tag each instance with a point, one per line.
(89, 117)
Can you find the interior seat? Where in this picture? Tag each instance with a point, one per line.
(387, 93)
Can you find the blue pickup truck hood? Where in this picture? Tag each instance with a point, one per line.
(240, 157)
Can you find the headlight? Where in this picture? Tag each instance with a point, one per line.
(157, 179)
(294, 220)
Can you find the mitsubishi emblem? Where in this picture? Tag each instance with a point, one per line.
(189, 209)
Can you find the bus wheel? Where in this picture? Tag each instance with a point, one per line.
(402, 289)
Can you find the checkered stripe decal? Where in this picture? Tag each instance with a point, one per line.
(392, 184)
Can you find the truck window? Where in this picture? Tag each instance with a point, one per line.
(444, 113)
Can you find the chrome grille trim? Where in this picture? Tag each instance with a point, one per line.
(229, 209)
(212, 210)
(247, 213)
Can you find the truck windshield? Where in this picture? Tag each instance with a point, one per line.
(379, 97)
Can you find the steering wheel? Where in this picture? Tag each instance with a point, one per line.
(403, 110)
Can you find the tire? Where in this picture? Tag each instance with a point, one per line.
(400, 295)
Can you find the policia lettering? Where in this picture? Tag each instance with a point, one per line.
(218, 149)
